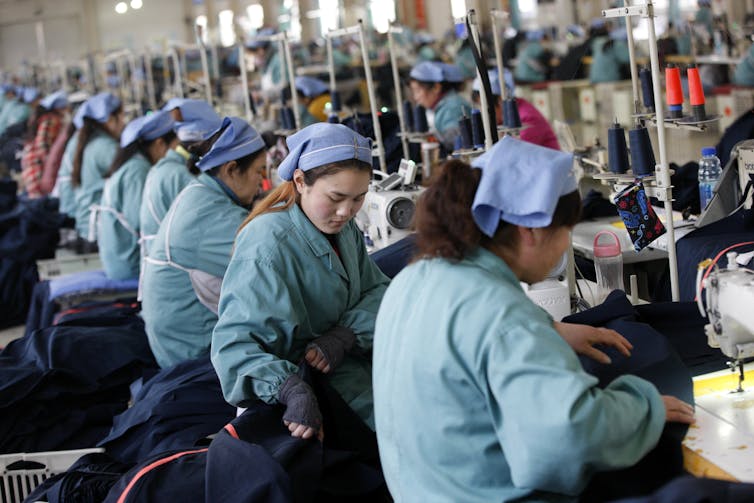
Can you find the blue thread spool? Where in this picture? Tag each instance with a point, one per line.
(477, 128)
(333, 119)
(289, 120)
(335, 101)
(617, 152)
(647, 89)
(420, 120)
(642, 156)
(458, 143)
(466, 138)
(283, 119)
(285, 94)
(511, 117)
(408, 116)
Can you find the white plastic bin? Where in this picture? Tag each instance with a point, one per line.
(17, 484)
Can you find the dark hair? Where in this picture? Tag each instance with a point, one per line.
(198, 149)
(35, 119)
(136, 147)
(285, 194)
(444, 86)
(445, 225)
(86, 133)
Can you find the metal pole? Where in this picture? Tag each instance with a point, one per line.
(397, 84)
(471, 16)
(245, 83)
(663, 172)
(330, 64)
(499, 52)
(178, 77)
(372, 98)
(632, 58)
(205, 64)
(291, 79)
(146, 58)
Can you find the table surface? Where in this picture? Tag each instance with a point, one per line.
(721, 442)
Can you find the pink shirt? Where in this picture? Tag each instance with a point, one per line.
(538, 131)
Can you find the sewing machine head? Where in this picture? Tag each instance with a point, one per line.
(730, 308)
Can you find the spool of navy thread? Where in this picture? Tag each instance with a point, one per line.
(466, 138)
(647, 89)
(477, 129)
(420, 120)
(408, 115)
(333, 119)
(335, 101)
(284, 119)
(617, 152)
(458, 143)
(291, 118)
(642, 155)
(511, 117)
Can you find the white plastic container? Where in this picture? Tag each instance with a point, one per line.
(608, 264)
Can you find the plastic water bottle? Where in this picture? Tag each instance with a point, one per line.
(608, 264)
(710, 172)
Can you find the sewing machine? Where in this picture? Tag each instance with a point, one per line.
(388, 211)
(730, 301)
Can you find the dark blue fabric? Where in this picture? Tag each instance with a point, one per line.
(653, 359)
(88, 480)
(60, 387)
(28, 232)
(741, 129)
(41, 310)
(704, 243)
(396, 256)
(693, 490)
(175, 409)
(595, 205)
(8, 198)
(362, 124)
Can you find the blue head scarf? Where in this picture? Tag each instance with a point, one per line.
(99, 107)
(310, 87)
(495, 82)
(323, 143)
(237, 139)
(428, 71)
(521, 184)
(147, 128)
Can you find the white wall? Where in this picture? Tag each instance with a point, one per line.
(155, 23)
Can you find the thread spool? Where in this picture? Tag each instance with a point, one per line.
(335, 101)
(466, 138)
(333, 119)
(674, 91)
(283, 118)
(458, 143)
(285, 95)
(642, 155)
(696, 93)
(647, 89)
(617, 152)
(289, 120)
(477, 129)
(420, 120)
(511, 117)
(408, 115)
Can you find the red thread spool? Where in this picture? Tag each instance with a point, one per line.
(696, 93)
(674, 91)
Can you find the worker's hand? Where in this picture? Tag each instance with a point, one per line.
(302, 415)
(583, 338)
(327, 351)
(677, 411)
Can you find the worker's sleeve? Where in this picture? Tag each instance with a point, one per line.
(557, 426)
(373, 283)
(257, 321)
(132, 199)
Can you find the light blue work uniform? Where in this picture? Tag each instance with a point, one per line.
(530, 67)
(118, 219)
(98, 155)
(464, 59)
(284, 287)
(164, 182)
(607, 62)
(191, 250)
(744, 73)
(13, 112)
(448, 111)
(478, 399)
(63, 184)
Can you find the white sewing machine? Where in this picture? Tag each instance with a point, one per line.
(730, 308)
(388, 211)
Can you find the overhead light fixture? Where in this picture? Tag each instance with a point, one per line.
(121, 7)
(136, 4)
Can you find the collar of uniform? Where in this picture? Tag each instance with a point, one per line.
(316, 240)
(180, 152)
(485, 259)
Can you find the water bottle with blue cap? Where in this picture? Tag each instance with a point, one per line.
(710, 172)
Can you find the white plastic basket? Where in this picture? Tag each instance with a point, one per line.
(59, 266)
(16, 484)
